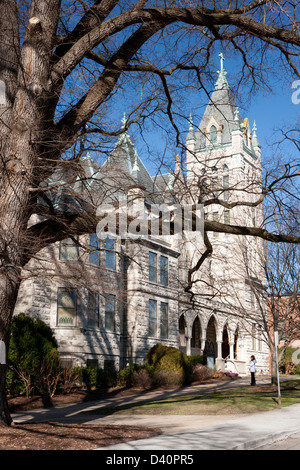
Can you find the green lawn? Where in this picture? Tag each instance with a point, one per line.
(234, 401)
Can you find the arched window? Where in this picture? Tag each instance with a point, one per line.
(213, 134)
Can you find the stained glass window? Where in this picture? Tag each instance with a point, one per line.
(66, 306)
(68, 249)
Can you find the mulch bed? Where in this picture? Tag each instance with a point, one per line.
(70, 436)
(57, 436)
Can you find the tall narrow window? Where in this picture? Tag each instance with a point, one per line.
(163, 268)
(152, 318)
(227, 217)
(66, 306)
(69, 249)
(110, 301)
(216, 219)
(152, 267)
(214, 186)
(164, 330)
(93, 310)
(213, 134)
(110, 258)
(94, 254)
(225, 187)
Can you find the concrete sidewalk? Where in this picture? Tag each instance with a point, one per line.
(192, 432)
(247, 432)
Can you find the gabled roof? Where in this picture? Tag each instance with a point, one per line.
(125, 168)
(223, 109)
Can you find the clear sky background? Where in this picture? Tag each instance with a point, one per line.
(272, 111)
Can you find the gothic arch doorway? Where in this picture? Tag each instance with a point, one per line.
(196, 337)
(225, 343)
(210, 351)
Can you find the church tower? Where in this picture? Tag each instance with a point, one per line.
(223, 172)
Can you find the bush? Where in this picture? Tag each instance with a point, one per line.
(89, 377)
(33, 358)
(173, 362)
(165, 377)
(286, 364)
(201, 373)
(142, 378)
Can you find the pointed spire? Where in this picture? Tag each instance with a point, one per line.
(170, 184)
(254, 129)
(177, 165)
(255, 142)
(87, 156)
(135, 166)
(191, 133)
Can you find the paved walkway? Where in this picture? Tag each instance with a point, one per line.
(193, 432)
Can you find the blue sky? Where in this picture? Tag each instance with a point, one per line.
(271, 110)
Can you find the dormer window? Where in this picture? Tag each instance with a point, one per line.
(213, 135)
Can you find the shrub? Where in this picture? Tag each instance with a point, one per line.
(201, 373)
(126, 375)
(172, 361)
(89, 377)
(165, 377)
(142, 378)
(194, 360)
(33, 357)
(286, 364)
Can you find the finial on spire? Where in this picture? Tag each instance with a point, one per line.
(222, 80)
(191, 122)
(222, 60)
(124, 120)
(254, 129)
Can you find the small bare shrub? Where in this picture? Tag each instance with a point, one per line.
(141, 379)
(201, 373)
(164, 377)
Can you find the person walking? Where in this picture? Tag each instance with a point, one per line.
(252, 369)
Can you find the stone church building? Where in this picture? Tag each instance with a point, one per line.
(111, 298)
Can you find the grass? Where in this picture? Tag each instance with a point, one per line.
(242, 400)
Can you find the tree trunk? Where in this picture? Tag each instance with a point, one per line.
(9, 286)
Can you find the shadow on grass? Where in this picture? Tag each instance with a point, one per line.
(242, 400)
